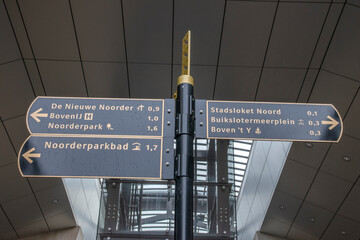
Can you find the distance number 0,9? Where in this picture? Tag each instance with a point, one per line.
(153, 109)
(152, 129)
(151, 147)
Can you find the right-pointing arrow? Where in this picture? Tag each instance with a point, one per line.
(28, 155)
(332, 121)
(35, 115)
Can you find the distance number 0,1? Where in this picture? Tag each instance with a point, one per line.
(310, 113)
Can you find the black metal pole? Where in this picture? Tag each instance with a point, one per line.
(184, 172)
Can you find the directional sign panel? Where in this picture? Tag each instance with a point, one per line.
(96, 116)
(137, 158)
(268, 121)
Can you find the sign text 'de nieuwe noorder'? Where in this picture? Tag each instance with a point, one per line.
(96, 116)
(46, 156)
(270, 121)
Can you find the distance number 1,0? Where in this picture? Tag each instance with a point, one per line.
(153, 119)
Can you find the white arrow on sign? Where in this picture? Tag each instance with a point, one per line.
(332, 121)
(37, 114)
(28, 155)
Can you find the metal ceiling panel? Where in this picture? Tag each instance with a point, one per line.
(237, 83)
(106, 79)
(336, 162)
(325, 37)
(343, 55)
(326, 90)
(18, 28)
(32, 229)
(205, 24)
(38, 184)
(99, 28)
(342, 228)
(296, 234)
(7, 152)
(17, 130)
(50, 28)
(204, 79)
(15, 90)
(150, 81)
(354, 2)
(34, 77)
(61, 221)
(308, 82)
(8, 47)
(6, 230)
(350, 208)
(23, 211)
(295, 179)
(311, 156)
(284, 84)
(312, 220)
(328, 191)
(247, 26)
(12, 185)
(62, 78)
(294, 36)
(148, 30)
(283, 207)
(274, 227)
(351, 123)
(53, 201)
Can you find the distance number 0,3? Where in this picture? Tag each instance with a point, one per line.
(151, 147)
(315, 133)
(314, 123)
(152, 129)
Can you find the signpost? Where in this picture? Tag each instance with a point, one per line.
(268, 121)
(96, 116)
(136, 158)
(134, 138)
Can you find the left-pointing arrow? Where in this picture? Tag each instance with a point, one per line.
(28, 155)
(35, 115)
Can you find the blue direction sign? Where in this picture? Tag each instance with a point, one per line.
(97, 116)
(268, 121)
(61, 156)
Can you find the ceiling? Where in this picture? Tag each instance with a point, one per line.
(284, 51)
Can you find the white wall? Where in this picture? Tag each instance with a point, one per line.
(84, 196)
(266, 161)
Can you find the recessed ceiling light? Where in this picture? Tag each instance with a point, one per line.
(346, 158)
(343, 232)
(312, 219)
(282, 207)
(308, 145)
(55, 201)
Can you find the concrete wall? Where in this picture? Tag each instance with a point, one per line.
(84, 196)
(266, 161)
